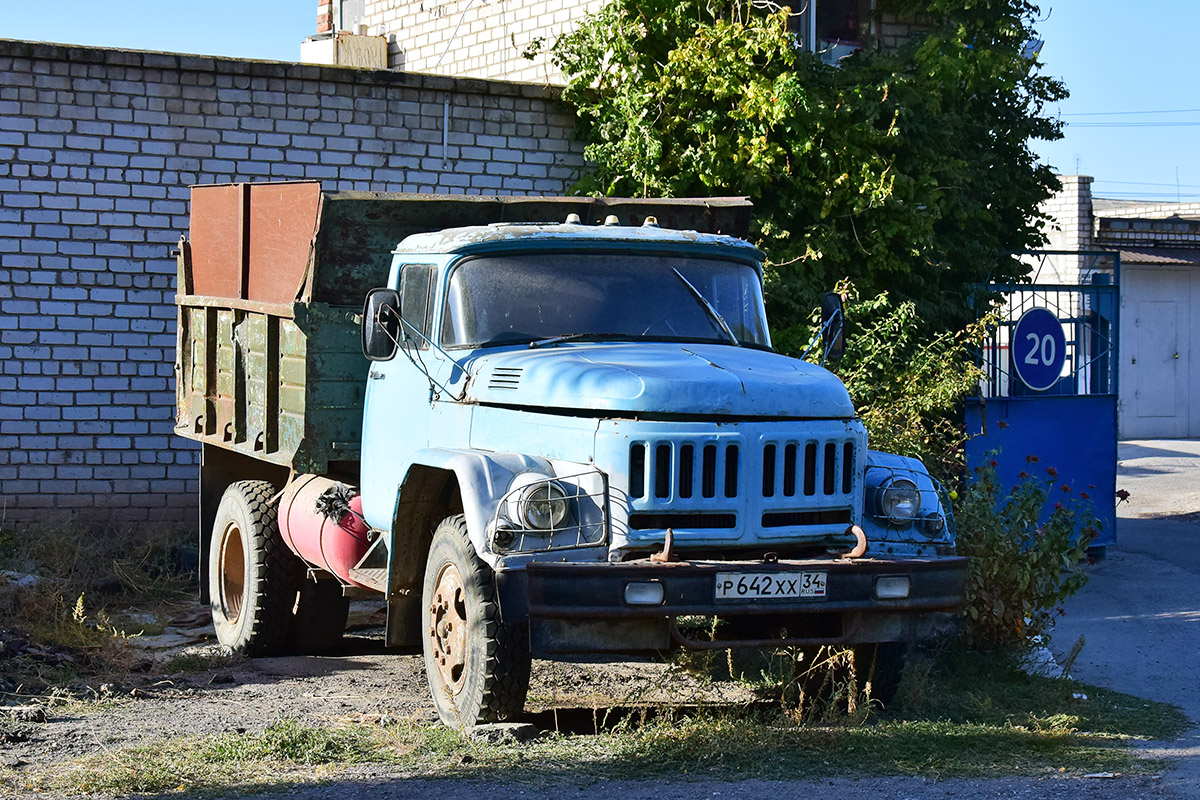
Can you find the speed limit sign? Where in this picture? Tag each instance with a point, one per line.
(1038, 348)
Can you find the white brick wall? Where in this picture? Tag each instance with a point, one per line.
(476, 38)
(97, 150)
(1070, 228)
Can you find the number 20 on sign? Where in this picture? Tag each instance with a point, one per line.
(1038, 349)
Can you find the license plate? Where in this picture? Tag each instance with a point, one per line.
(769, 585)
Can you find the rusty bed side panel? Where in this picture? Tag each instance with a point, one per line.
(287, 391)
(261, 371)
(283, 221)
(253, 241)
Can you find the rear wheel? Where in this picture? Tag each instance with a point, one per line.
(477, 666)
(252, 575)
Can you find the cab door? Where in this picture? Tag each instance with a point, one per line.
(399, 396)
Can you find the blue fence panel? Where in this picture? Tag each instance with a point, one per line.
(1068, 424)
(1072, 434)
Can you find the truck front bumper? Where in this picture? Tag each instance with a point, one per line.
(582, 608)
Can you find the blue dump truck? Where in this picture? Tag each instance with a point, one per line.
(532, 438)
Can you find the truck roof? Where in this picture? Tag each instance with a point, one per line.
(522, 235)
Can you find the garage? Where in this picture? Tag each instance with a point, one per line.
(1159, 380)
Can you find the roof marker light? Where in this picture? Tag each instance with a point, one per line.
(651, 222)
(572, 219)
(611, 219)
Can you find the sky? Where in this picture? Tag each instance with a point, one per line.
(1133, 117)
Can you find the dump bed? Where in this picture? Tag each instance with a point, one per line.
(271, 282)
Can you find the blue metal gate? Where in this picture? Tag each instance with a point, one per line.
(1069, 422)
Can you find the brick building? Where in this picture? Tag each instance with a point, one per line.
(97, 150)
(502, 40)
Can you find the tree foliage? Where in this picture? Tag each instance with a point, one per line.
(908, 172)
(907, 385)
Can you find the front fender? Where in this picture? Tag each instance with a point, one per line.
(914, 538)
(483, 479)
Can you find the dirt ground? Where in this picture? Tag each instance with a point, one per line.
(363, 682)
(366, 683)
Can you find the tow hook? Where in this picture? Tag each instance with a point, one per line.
(860, 542)
(666, 554)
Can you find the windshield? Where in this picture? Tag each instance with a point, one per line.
(531, 298)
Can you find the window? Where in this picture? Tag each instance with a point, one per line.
(833, 29)
(615, 297)
(415, 283)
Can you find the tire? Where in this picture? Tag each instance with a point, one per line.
(319, 621)
(477, 667)
(881, 665)
(252, 576)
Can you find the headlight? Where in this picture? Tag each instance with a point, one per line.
(900, 501)
(542, 505)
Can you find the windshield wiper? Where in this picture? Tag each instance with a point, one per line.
(707, 306)
(579, 337)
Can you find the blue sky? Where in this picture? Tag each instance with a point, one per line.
(270, 29)
(1118, 59)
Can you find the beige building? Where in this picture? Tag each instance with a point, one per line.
(1159, 249)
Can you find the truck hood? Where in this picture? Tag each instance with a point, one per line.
(655, 379)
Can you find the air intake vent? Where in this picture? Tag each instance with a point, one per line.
(505, 378)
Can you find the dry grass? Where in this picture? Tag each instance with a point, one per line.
(72, 596)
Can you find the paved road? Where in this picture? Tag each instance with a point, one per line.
(1140, 612)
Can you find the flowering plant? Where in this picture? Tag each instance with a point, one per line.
(1025, 547)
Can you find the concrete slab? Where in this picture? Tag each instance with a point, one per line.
(1140, 611)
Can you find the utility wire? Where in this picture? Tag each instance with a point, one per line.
(1193, 124)
(1122, 113)
(1149, 183)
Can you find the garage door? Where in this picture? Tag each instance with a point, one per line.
(1157, 329)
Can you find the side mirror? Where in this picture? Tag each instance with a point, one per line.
(381, 324)
(833, 319)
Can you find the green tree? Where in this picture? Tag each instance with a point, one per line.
(907, 172)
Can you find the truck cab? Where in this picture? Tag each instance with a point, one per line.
(627, 449)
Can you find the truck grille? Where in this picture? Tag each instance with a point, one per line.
(808, 470)
(667, 469)
(687, 470)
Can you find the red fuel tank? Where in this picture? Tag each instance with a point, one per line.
(333, 546)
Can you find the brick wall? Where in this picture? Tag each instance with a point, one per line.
(1154, 211)
(1070, 228)
(509, 40)
(1138, 232)
(97, 149)
(892, 32)
(476, 39)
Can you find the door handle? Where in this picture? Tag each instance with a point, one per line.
(376, 376)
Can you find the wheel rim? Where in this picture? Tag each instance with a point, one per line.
(233, 572)
(448, 628)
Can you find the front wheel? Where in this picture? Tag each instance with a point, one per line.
(477, 666)
(252, 575)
